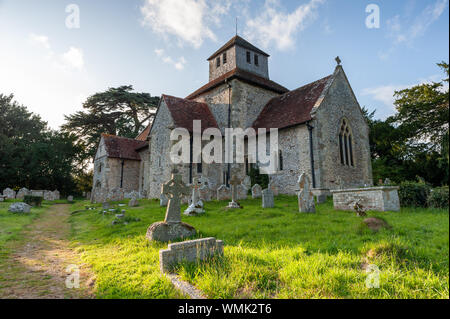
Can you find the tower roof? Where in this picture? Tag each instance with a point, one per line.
(237, 40)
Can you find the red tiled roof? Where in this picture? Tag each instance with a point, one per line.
(244, 76)
(144, 134)
(184, 112)
(237, 40)
(122, 147)
(291, 108)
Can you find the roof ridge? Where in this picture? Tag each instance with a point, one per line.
(237, 40)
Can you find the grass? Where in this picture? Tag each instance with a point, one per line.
(11, 227)
(273, 253)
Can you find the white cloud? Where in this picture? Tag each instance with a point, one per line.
(177, 64)
(274, 25)
(74, 58)
(418, 26)
(190, 21)
(40, 40)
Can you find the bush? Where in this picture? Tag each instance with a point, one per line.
(413, 194)
(438, 197)
(33, 200)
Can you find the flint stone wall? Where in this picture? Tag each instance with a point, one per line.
(190, 251)
(384, 198)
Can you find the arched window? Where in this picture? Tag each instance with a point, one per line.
(346, 144)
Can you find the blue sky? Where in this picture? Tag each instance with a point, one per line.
(161, 46)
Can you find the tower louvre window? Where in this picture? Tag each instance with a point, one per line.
(218, 61)
(249, 58)
(224, 58)
(256, 60)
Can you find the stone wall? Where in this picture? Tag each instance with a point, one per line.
(340, 103)
(262, 69)
(384, 198)
(215, 72)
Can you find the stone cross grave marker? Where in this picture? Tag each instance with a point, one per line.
(196, 206)
(234, 182)
(306, 202)
(174, 189)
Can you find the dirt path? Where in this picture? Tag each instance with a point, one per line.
(37, 267)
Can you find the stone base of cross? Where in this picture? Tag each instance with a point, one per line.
(234, 182)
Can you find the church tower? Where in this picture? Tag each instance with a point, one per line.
(241, 54)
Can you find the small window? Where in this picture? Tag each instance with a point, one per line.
(224, 58)
(256, 60)
(280, 160)
(249, 58)
(199, 168)
(218, 61)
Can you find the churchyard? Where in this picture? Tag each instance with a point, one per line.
(268, 253)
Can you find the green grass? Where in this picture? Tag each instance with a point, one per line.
(273, 253)
(11, 227)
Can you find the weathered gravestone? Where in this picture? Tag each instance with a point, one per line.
(19, 208)
(267, 198)
(48, 195)
(70, 198)
(2, 198)
(273, 187)
(196, 206)
(247, 182)
(256, 191)
(190, 251)
(133, 202)
(163, 200)
(9, 193)
(306, 202)
(106, 205)
(223, 193)
(172, 228)
(206, 194)
(22, 193)
(235, 183)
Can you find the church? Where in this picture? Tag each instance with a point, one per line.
(321, 131)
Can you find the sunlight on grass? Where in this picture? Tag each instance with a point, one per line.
(273, 253)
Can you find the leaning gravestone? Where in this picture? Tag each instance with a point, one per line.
(22, 193)
(172, 228)
(223, 193)
(19, 208)
(306, 202)
(256, 191)
(267, 198)
(9, 193)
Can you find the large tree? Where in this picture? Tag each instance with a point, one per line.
(117, 111)
(32, 155)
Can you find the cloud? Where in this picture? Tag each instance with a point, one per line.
(417, 26)
(74, 58)
(178, 64)
(275, 26)
(189, 21)
(40, 40)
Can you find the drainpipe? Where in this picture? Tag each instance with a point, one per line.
(191, 153)
(229, 126)
(310, 129)
(121, 174)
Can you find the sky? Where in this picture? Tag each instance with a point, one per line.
(55, 53)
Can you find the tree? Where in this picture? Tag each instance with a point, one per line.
(117, 111)
(32, 155)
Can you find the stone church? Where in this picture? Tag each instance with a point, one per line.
(321, 128)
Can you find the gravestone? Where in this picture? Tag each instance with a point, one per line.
(70, 198)
(172, 228)
(22, 193)
(48, 196)
(235, 183)
(190, 251)
(306, 202)
(196, 206)
(106, 205)
(256, 191)
(133, 202)
(9, 193)
(223, 193)
(273, 187)
(387, 181)
(88, 195)
(247, 182)
(242, 192)
(163, 200)
(19, 208)
(267, 198)
(205, 193)
(2, 198)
